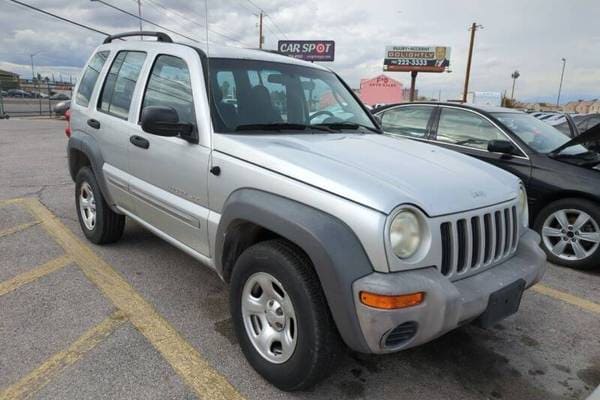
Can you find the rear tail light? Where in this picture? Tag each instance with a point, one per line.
(68, 118)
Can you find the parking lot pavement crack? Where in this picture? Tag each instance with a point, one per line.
(42, 375)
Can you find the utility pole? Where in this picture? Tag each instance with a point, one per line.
(260, 30)
(473, 28)
(514, 76)
(140, 14)
(562, 74)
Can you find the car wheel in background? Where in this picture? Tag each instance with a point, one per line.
(281, 317)
(99, 222)
(570, 230)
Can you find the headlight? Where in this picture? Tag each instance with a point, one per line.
(405, 234)
(523, 207)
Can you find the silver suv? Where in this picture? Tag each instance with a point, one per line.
(270, 171)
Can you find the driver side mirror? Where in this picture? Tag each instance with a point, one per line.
(164, 121)
(501, 146)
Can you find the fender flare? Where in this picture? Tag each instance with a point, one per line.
(336, 253)
(89, 146)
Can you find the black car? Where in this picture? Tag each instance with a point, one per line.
(562, 176)
(576, 125)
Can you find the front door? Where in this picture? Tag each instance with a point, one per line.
(169, 174)
(468, 132)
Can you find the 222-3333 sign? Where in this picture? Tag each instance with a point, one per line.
(416, 58)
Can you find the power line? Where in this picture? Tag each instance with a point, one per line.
(145, 20)
(59, 17)
(157, 4)
(275, 25)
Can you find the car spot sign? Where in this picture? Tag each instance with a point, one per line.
(416, 58)
(308, 50)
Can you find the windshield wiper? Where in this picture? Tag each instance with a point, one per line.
(346, 125)
(279, 126)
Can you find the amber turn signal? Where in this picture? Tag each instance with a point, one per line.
(387, 302)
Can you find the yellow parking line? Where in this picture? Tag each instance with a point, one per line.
(36, 273)
(183, 357)
(567, 298)
(10, 201)
(17, 228)
(40, 376)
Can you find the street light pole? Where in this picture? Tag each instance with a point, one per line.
(473, 28)
(562, 74)
(514, 76)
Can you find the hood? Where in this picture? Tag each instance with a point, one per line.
(591, 135)
(377, 171)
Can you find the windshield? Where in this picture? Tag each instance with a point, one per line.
(538, 135)
(256, 95)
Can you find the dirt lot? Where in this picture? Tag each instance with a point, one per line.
(140, 319)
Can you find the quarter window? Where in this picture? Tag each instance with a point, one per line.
(89, 78)
(407, 121)
(169, 85)
(467, 129)
(120, 82)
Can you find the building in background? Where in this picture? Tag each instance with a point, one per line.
(381, 90)
(9, 80)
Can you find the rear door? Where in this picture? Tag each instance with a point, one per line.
(169, 174)
(413, 122)
(110, 119)
(469, 132)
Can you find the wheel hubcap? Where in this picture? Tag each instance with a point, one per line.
(269, 317)
(571, 235)
(87, 206)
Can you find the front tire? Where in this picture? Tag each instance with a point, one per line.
(99, 223)
(281, 317)
(570, 230)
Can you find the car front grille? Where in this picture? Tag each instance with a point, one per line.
(478, 241)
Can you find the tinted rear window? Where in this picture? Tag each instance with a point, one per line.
(90, 77)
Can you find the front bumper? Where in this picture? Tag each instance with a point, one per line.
(447, 304)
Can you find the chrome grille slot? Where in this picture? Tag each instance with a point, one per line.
(476, 241)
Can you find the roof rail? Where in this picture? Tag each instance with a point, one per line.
(160, 37)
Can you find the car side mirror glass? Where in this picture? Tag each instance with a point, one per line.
(164, 121)
(501, 146)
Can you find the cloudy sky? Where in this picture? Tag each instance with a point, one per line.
(530, 36)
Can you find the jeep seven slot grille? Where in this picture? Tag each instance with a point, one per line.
(478, 241)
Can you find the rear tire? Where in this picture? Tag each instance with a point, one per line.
(99, 223)
(313, 345)
(570, 230)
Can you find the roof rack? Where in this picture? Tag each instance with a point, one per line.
(160, 37)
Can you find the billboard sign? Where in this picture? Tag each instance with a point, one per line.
(308, 50)
(416, 58)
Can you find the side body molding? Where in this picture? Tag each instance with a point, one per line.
(87, 145)
(335, 251)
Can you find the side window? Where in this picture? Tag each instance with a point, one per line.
(169, 85)
(119, 85)
(89, 78)
(467, 129)
(407, 121)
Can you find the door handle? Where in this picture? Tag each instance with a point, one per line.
(139, 141)
(93, 123)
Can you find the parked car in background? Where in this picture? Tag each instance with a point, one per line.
(39, 95)
(61, 108)
(4, 93)
(18, 93)
(322, 241)
(59, 96)
(574, 125)
(562, 176)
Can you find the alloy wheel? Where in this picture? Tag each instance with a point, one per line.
(571, 234)
(87, 206)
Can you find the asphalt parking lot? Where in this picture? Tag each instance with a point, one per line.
(140, 319)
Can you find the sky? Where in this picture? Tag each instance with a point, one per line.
(530, 36)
